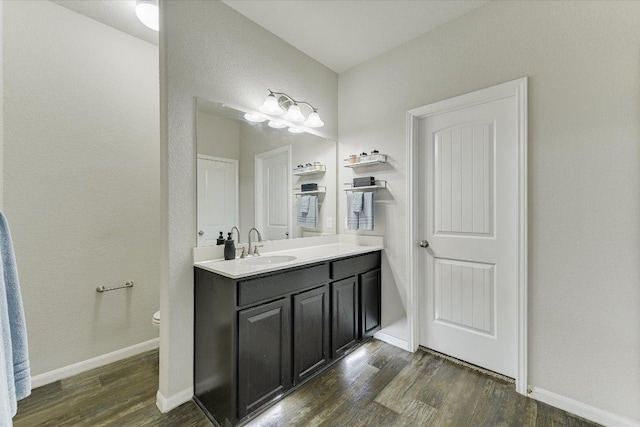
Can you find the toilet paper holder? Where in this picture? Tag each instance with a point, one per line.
(101, 289)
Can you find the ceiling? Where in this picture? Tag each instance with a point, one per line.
(119, 14)
(339, 34)
(343, 34)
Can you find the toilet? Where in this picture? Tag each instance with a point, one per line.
(156, 320)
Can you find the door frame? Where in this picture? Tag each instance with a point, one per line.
(518, 89)
(258, 196)
(236, 163)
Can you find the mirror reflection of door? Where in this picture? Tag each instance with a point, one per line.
(217, 198)
(273, 176)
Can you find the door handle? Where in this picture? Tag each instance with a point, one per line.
(424, 244)
(200, 233)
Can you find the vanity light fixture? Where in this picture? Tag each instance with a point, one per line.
(148, 13)
(314, 120)
(254, 118)
(271, 105)
(276, 125)
(277, 103)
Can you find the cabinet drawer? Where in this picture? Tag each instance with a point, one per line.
(358, 264)
(263, 288)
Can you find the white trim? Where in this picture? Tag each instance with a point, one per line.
(166, 404)
(581, 409)
(259, 158)
(96, 362)
(517, 89)
(217, 159)
(395, 341)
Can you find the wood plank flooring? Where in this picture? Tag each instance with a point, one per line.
(376, 385)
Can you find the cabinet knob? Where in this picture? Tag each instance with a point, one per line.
(200, 233)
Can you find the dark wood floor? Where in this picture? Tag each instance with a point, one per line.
(377, 385)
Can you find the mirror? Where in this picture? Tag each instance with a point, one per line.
(252, 175)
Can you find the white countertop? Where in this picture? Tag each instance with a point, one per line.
(236, 269)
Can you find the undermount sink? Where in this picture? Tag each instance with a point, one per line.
(266, 260)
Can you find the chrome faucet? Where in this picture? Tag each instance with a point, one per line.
(255, 248)
(237, 233)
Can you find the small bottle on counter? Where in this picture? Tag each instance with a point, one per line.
(229, 249)
(220, 240)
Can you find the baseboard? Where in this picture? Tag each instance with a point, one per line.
(390, 339)
(96, 362)
(166, 404)
(580, 409)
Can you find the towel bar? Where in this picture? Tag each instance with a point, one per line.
(380, 184)
(101, 289)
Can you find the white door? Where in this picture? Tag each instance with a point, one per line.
(468, 186)
(217, 198)
(273, 193)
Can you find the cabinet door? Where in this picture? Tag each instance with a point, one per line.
(310, 332)
(344, 315)
(264, 354)
(369, 303)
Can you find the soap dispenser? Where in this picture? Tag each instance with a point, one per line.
(229, 249)
(220, 240)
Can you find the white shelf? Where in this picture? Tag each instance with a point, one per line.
(320, 190)
(372, 159)
(379, 186)
(310, 170)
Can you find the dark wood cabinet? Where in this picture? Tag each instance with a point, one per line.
(259, 337)
(310, 332)
(370, 307)
(344, 315)
(264, 354)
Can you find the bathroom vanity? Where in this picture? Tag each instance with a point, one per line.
(262, 330)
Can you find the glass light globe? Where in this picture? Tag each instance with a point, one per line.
(254, 118)
(314, 121)
(271, 106)
(148, 13)
(295, 130)
(294, 114)
(276, 125)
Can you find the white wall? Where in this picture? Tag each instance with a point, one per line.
(209, 50)
(81, 175)
(217, 136)
(584, 168)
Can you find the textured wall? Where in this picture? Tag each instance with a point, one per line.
(209, 50)
(584, 156)
(81, 174)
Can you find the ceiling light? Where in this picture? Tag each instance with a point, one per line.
(254, 118)
(276, 125)
(295, 130)
(271, 106)
(314, 121)
(294, 114)
(148, 13)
